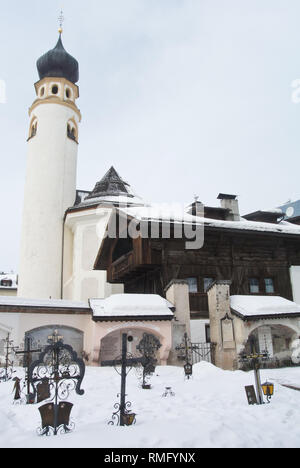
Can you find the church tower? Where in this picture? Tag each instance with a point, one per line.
(50, 187)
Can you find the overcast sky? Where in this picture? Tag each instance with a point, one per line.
(183, 97)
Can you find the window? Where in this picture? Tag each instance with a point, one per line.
(207, 282)
(6, 283)
(193, 285)
(55, 89)
(42, 92)
(33, 129)
(254, 285)
(269, 285)
(71, 133)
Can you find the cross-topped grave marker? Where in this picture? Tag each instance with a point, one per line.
(8, 370)
(27, 353)
(60, 371)
(122, 415)
(148, 347)
(255, 359)
(185, 352)
(55, 337)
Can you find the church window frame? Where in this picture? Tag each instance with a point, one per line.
(72, 130)
(69, 93)
(33, 128)
(55, 89)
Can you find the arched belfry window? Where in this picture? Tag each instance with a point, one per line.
(33, 128)
(72, 132)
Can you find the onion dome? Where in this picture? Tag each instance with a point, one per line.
(57, 63)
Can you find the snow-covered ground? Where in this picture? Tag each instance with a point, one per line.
(211, 410)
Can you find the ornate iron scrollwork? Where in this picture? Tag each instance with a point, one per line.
(123, 416)
(148, 348)
(7, 367)
(185, 354)
(56, 373)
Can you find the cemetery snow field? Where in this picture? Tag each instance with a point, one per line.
(210, 410)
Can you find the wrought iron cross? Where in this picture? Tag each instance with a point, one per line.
(125, 362)
(255, 359)
(27, 353)
(185, 349)
(7, 371)
(59, 364)
(55, 338)
(148, 347)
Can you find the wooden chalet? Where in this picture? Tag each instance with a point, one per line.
(255, 254)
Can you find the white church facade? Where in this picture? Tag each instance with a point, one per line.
(64, 233)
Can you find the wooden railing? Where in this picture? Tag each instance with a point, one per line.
(123, 265)
(198, 302)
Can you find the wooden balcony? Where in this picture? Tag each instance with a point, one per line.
(128, 267)
(198, 304)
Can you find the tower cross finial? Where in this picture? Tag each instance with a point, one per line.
(61, 19)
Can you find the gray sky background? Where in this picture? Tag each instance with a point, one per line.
(183, 97)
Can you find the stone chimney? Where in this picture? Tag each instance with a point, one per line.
(196, 208)
(177, 292)
(231, 203)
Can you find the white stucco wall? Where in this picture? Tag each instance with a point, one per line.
(84, 233)
(50, 189)
(295, 280)
(19, 323)
(198, 334)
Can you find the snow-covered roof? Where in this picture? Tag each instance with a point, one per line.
(42, 303)
(134, 306)
(110, 189)
(8, 277)
(177, 214)
(250, 307)
(116, 200)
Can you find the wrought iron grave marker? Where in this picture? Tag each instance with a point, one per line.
(148, 347)
(27, 353)
(59, 369)
(7, 371)
(185, 353)
(255, 359)
(123, 417)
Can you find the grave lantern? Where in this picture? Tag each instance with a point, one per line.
(128, 419)
(188, 369)
(268, 389)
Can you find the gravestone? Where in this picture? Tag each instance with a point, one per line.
(251, 395)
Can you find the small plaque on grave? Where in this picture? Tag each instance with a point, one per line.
(43, 390)
(251, 395)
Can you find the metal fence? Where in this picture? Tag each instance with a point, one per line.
(202, 352)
